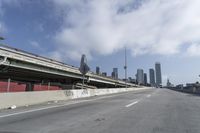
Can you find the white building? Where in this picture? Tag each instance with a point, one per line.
(140, 76)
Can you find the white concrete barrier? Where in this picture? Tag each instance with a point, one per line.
(36, 97)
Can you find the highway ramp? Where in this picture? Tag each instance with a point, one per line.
(146, 111)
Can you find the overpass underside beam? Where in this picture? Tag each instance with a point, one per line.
(37, 74)
(34, 76)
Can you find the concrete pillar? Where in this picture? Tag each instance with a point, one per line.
(29, 86)
(8, 87)
(194, 89)
(49, 84)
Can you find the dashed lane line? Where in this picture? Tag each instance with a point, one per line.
(131, 104)
(149, 95)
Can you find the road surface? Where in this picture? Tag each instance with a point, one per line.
(147, 111)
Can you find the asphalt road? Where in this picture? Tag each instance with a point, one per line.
(149, 111)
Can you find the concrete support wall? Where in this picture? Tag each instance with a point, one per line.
(30, 98)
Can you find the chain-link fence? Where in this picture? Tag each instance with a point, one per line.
(10, 85)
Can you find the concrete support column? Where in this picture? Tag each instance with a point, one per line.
(49, 84)
(29, 86)
(194, 90)
(8, 87)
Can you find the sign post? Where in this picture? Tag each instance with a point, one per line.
(84, 68)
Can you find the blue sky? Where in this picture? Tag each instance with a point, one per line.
(152, 30)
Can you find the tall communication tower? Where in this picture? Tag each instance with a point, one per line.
(125, 68)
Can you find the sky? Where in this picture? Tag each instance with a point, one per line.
(152, 31)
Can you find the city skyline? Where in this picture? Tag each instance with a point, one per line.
(99, 66)
(45, 28)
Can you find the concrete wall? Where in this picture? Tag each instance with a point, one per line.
(30, 98)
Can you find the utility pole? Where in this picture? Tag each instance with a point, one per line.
(125, 68)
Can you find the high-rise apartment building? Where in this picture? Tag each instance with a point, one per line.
(152, 77)
(158, 74)
(140, 76)
(145, 79)
(115, 73)
(104, 74)
(98, 70)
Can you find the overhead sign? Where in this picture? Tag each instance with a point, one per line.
(84, 68)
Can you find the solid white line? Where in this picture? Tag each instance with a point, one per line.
(34, 110)
(131, 104)
(57, 106)
(149, 95)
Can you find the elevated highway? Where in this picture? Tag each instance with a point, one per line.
(23, 66)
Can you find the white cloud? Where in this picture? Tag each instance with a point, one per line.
(193, 50)
(154, 27)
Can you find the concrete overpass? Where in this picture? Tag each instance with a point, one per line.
(27, 67)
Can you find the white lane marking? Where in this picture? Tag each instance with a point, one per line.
(29, 111)
(155, 91)
(57, 106)
(131, 104)
(149, 95)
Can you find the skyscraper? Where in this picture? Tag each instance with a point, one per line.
(152, 77)
(104, 74)
(145, 79)
(97, 70)
(115, 73)
(158, 74)
(140, 76)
